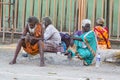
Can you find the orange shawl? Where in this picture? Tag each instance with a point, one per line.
(34, 49)
(102, 36)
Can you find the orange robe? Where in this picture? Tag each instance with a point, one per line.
(103, 38)
(34, 49)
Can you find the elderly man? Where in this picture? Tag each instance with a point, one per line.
(102, 34)
(31, 40)
(85, 45)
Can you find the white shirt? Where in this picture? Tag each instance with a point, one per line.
(52, 34)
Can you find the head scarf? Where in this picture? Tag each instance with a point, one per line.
(100, 21)
(85, 21)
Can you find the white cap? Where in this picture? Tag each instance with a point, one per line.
(85, 21)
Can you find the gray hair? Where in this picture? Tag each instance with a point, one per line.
(100, 21)
(47, 19)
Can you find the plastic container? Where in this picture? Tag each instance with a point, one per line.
(98, 60)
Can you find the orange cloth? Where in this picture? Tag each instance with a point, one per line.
(34, 49)
(102, 36)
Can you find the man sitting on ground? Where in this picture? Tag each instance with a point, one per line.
(31, 40)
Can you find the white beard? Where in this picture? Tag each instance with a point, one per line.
(31, 30)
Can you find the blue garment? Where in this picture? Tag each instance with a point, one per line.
(65, 38)
(82, 49)
(64, 46)
(78, 33)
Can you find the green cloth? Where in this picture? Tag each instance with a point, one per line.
(82, 49)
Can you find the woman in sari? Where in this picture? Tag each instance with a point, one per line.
(102, 34)
(85, 45)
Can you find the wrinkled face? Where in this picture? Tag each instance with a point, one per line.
(44, 24)
(32, 25)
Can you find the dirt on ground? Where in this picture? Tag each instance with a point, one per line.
(57, 67)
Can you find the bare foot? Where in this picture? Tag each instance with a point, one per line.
(85, 64)
(12, 62)
(69, 56)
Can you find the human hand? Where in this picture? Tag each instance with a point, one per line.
(27, 38)
(71, 42)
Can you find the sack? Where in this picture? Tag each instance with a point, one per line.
(65, 38)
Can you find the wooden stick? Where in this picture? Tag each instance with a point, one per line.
(54, 18)
(75, 16)
(65, 19)
(118, 29)
(13, 19)
(85, 8)
(62, 12)
(82, 11)
(94, 12)
(79, 22)
(4, 9)
(31, 8)
(23, 14)
(9, 18)
(110, 16)
(57, 14)
(0, 16)
(47, 8)
(39, 8)
(49, 11)
(16, 14)
(70, 17)
(103, 6)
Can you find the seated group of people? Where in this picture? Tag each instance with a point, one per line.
(38, 38)
(86, 42)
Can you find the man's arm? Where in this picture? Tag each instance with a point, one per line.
(24, 33)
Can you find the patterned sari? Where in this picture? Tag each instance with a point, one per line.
(102, 37)
(81, 49)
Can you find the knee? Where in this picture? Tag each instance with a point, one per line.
(20, 40)
(40, 43)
